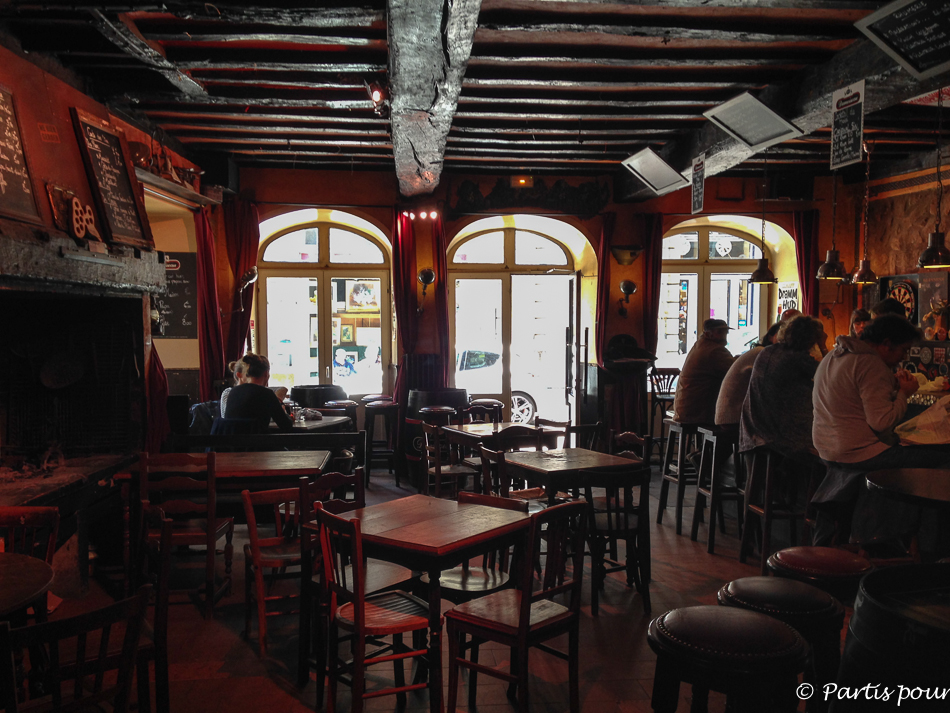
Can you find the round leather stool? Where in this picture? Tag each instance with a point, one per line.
(348, 406)
(813, 613)
(493, 404)
(438, 415)
(833, 570)
(369, 398)
(751, 657)
(381, 449)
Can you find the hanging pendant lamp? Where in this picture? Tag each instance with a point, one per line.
(863, 274)
(763, 275)
(936, 253)
(831, 268)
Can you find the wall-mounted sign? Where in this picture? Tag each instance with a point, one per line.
(16, 188)
(915, 33)
(787, 298)
(178, 307)
(847, 125)
(699, 182)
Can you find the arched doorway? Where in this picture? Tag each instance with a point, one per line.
(706, 265)
(324, 305)
(517, 312)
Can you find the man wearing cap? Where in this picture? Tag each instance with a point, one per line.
(706, 365)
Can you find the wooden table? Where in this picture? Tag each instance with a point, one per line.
(267, 469)
(918, 486)
(431, 535)
(558, 469)
(473, 434)
(327, 423)
(23, 580)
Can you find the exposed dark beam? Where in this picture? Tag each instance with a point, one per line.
(602, 86)
(724, 65)
(190, 129)
(308, 66)
(690, 106)
(276, 102)
(666, 34)
(530, 131)
(429, 45)
(575, 117)
(160, 111)
(267, 13)
(275, 38)
(125, 39)
(862, 7)
(277, 141)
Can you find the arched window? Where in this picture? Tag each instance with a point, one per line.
(705, 275)
(324, 306)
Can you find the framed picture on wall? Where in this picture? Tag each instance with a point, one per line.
(362, 296)
(347, 336)
(336, 330)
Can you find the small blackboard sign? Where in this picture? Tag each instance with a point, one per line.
(178, 307)
(916, 33)
(16, 189)
(106, 157)
(847, 125)
(699, 183)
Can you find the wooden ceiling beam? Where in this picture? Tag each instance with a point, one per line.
(724, 65)
(549, 32)
(601, 86)
(525, 117)
(256, 38)
(269, 102)
(308, 66)
(846, 10)
(429, 45)
(159, 111)
(277, 141)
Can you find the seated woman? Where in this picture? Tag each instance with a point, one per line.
(253, 401)
(238, 369)
(736, 384)
(777, 410)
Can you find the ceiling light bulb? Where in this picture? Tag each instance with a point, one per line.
(377, 95)
(433, 214)
(412, 216)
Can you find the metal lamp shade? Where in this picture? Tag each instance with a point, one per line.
(831, 268)
(863, 274)
(936, 253)
(763, 274)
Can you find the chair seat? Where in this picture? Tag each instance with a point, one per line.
(500, 612)
(786, 599)
(471, 580)
(285, 554)
(194, 532)
(378, 576)
(824, 562)
(456, 469)
(727, 639)
(601, 524)
(389, 613)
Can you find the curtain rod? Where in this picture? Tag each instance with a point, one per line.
(392, 205)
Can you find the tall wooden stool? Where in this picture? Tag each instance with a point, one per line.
(832, 570)
(719, 443)
(348, 407)
(676, 469)
(437, 415)
(751, 657)
(661, 399)
(382, 449)
(813, 613)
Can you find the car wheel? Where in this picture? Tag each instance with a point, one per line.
(523, 407)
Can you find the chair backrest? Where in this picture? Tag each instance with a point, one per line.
(627, 445)
(30, 530)
(587, 435)
(619, 513)
(495, 479)
(432, 447)
(285, 506)
(493, 501)
(341, 545)
(337, 493)
(87, 673)
(153, 565)
(479, 413)
(564, 530)
(515, 438)
(182, 484)
(557, 434)
(662, 379)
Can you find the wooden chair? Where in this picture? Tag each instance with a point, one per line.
(465, 582)
(527, 616)
(628, 444)
(676, 468)
(31, 531)
(618, 517)
(277, 552)
(83, 676)
(557, 434)
(719, 444)
(592, 436)
(662, 387)
(497, 482)
(365, 617)
(337, 493)
(442, 465)
(183, 485)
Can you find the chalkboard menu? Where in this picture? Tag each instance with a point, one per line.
(16, 188)
(178, 307)
(106, 157)
(916, 33)
(847, 125)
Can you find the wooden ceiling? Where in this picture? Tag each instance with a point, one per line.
(492, 86)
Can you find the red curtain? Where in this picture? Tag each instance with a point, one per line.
(441, 295)
(404, 297)
(158, 426)
(242, 231)
(806, 255)
(603, 283)
(652, 273)
(210, 341)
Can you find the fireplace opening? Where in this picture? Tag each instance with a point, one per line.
(71, 375)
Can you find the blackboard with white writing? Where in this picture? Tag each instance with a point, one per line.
(847, 125)
(16, 189)
(915, 32)
(178, 307)
(121, 209)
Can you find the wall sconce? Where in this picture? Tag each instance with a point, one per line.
(427, 277)
(247, 279)
(627, 287)
(625, 254)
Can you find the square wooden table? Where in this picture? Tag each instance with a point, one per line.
(473, 434)
(430, 535)
(258, 470)
(558, 469)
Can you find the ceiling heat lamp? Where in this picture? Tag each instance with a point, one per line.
(831, 268)
(763, 274)
(863, 274)
(936, 254)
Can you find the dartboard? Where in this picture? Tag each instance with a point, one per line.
(903, 292)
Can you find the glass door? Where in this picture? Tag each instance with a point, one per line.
(481, 361)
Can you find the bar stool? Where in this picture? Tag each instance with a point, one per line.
(677, 470)
(832, 570)
(751, 657)
(383, 449)
(493, 404)
(719, 443)
(767, 476)
(812, 612)
(349, 407)
(437, 415)
(661, 399)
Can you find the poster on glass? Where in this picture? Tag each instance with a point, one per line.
(362, 296)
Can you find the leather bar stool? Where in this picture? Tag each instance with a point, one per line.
(662, 394)
(813, 613)
(382, 449)
(832, 570)
(719, 443)
(437, 415)
(751, 657)
(368, 399)
(676, 469)
(349, 407)
(497, 406)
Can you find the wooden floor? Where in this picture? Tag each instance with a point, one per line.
(213, 669)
